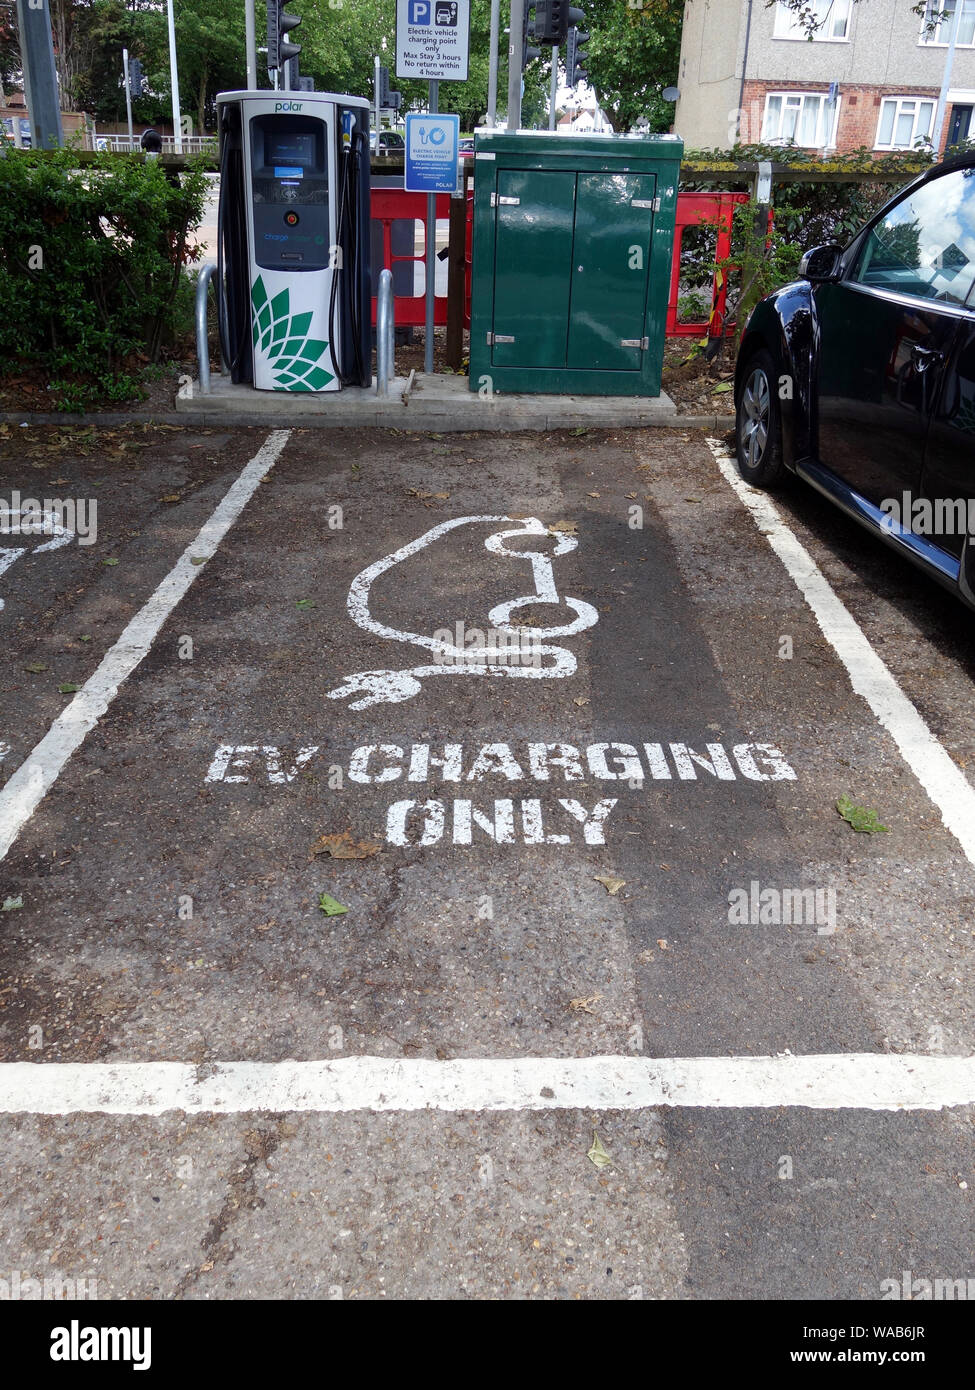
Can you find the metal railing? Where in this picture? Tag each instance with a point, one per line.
(121, 144)
(385, 333)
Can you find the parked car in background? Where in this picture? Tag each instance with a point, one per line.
(860, 377)
(8, 127)
(390, 141)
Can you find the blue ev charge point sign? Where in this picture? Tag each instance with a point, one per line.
(433, 39)
(432, 153)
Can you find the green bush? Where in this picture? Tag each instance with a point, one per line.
(92, 261)
(805, 214)
(810, 214)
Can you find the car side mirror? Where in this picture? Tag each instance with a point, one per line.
(821, 263)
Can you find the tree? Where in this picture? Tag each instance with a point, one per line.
(210, 54)
(100, 31)
(633, 55)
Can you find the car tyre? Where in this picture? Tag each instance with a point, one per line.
(758, 423)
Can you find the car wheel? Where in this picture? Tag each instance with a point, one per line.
(758, 424)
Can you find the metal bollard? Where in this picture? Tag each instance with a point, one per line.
(385, 333)
(202, 346)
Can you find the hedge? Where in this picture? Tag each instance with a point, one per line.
(92, 262)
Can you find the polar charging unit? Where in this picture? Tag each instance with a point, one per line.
(293, 240)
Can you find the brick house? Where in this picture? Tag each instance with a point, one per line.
(871, 75)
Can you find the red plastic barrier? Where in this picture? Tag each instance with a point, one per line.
(694, 210)
(389, 205)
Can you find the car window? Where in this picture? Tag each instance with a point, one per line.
(925, 245)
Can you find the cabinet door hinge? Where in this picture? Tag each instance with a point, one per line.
(493, 338)
(635, 342)
(501, 200)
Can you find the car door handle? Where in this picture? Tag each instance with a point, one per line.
(925, 357)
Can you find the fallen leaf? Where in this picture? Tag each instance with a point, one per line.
(329, 906)
(568, 527)
(110, 561)
(342, 846)
(86, 638)
(693, 499)
(266, 926)
(198, 559)
(9, 904)
(862, 819)
(612, 885)
(35, 667)
(171, 497)
(582, 1005)
(662, 944)
(593, 494)
(68, 688)
(597, 1154)
(581, 700)
(304, 604)
(721, 386)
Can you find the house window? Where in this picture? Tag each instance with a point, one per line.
(800, 118)
(903, 122)
(832, 19)
(939, 15)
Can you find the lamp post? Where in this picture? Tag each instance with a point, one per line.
(173, 79)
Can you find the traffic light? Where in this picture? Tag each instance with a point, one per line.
(388, 100)
(279, 26)
(528, 52)
(551, 22)
(575, 57)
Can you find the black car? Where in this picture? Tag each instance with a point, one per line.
(860, 377)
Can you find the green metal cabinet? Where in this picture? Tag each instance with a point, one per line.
(573, 239)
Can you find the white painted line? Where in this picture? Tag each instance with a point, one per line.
(861, 1081)
(22, 794)
(941, 778)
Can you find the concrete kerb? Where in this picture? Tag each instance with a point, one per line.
(714, 424)
(443, 403)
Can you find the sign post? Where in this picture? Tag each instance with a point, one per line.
(433, 39)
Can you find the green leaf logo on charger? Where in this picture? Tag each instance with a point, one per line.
(282, 338)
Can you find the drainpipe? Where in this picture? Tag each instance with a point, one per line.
(744, 68)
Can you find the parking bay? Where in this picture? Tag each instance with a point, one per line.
(174, 915)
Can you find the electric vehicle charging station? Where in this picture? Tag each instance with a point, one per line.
(293, 253)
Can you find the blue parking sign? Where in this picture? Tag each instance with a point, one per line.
(431, 153)
(433, 39)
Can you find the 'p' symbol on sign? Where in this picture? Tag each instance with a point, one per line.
(420, 11)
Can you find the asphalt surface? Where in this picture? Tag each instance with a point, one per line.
(465, 946)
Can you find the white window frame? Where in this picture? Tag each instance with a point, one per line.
(828, 143)
(785, 25)
(939, 37)
(900, 100)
